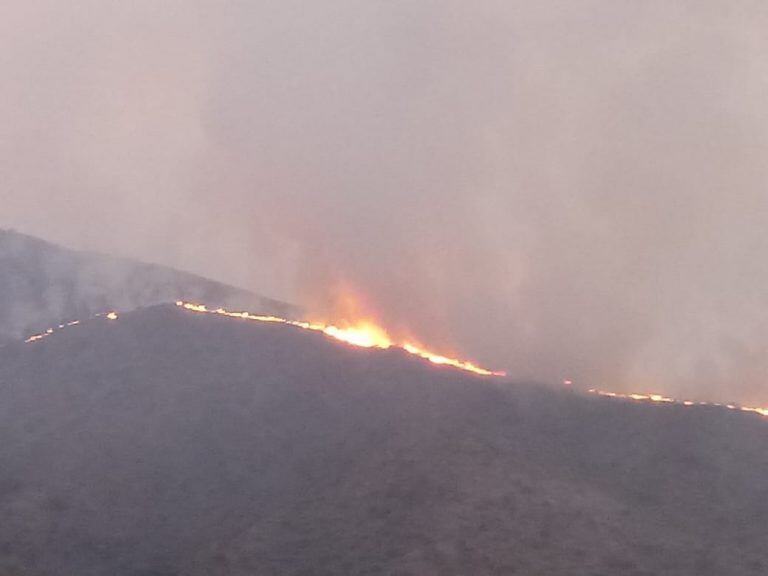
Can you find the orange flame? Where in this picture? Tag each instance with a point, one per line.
(365, 334)
(50, 331)
(658, 398)
(369, 335)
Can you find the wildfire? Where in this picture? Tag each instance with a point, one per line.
(364, 334)
(658, 398)
(50, 331)
(369, 335)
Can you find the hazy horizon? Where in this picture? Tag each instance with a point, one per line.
(560, 189)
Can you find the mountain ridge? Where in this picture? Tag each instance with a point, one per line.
(169, 443)
(43, 284)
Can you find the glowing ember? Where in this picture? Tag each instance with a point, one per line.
(363, 334)
(658, 398)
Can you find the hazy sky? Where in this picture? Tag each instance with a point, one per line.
(559, 188)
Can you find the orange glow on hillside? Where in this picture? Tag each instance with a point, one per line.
(365, 334)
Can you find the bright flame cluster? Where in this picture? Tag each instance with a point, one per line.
(658, 398)
(364, 334)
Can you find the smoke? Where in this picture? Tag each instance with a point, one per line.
(42, 285)
(563, 189)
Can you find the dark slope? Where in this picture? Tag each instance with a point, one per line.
(42, 284)
(170, 443)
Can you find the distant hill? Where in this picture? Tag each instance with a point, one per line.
(168, 443)
(42, 284)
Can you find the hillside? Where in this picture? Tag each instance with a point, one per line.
(42, 284)
(168, 443)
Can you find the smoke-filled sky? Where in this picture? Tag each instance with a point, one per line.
(561, 188)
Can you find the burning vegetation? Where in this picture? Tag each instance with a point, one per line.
(366, 334)
(43, 335)
(660, 399)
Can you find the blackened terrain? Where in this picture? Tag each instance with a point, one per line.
(42, 284)
(168, 443)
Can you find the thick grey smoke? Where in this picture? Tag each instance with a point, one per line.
(566, 189)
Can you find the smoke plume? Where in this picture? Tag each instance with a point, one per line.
(562, 189)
